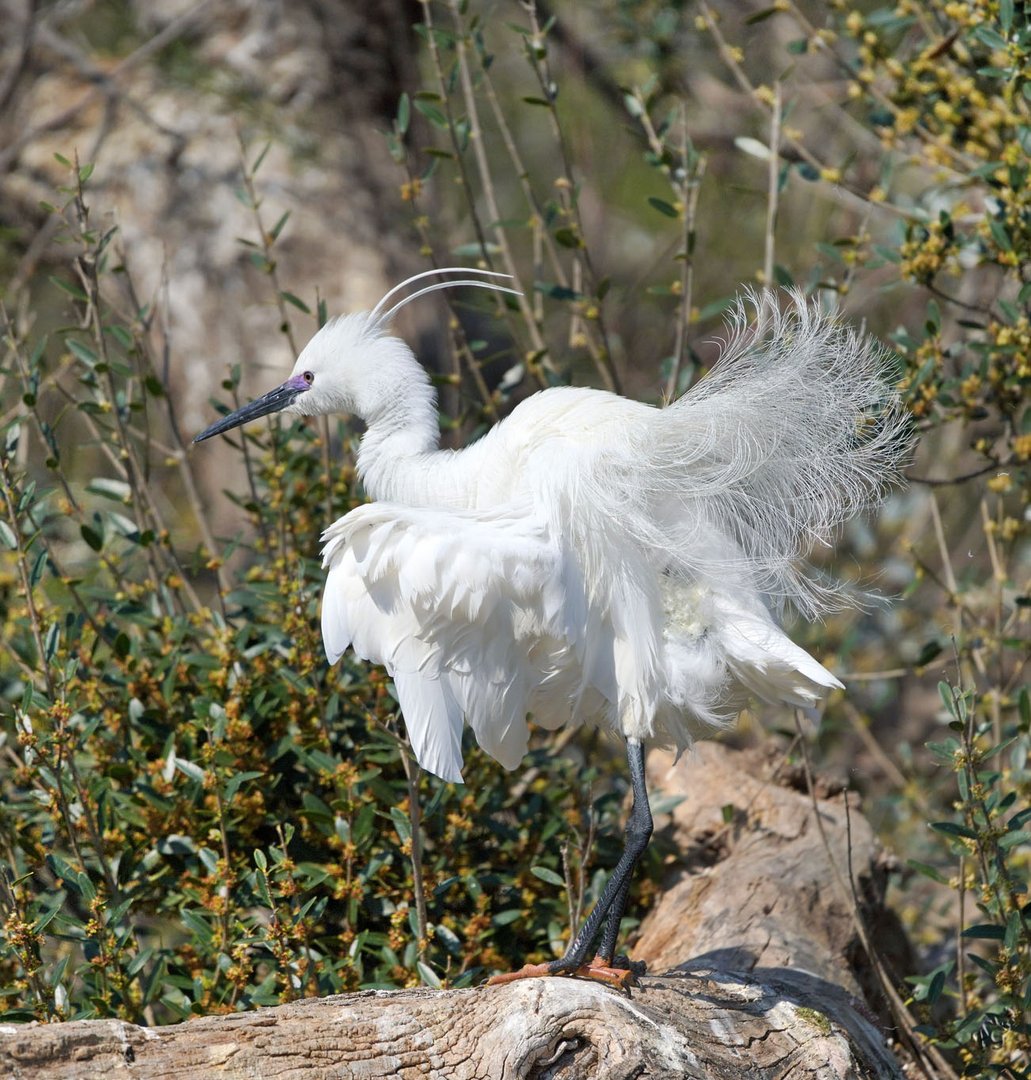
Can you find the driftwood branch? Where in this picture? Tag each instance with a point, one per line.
(764, 976)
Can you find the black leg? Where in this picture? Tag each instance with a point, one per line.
(608, 912)
(610, 931)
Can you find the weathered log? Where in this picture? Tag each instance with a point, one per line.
(767, 978)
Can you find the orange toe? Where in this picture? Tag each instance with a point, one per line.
(601, 970)
(527, 971)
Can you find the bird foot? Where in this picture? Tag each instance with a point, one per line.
(599, 969)
(527, 971)
(604, 971)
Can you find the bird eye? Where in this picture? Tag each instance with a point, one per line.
(308, 377)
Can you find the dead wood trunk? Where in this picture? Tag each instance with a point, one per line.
(763, 976)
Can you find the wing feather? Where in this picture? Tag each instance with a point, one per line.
(469, 612)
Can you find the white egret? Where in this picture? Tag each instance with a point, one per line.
(594, 559)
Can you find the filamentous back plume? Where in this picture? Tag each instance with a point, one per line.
(593, 559)
(796, 429)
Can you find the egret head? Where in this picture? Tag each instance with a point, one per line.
(351, 363)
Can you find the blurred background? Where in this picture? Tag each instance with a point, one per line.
(188, 189)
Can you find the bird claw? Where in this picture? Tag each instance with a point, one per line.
(599, 969)
(603, 971)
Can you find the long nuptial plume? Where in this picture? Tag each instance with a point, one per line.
(382, 319)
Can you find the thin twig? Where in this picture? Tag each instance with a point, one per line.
(773, 187)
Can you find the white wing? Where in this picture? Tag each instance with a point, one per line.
(470, 612)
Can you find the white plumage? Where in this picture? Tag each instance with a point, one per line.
(593, 559)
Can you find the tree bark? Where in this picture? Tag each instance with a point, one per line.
(756, 932)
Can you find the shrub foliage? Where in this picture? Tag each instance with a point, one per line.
(197, 815)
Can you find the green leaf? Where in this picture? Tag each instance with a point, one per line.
(506, 918)
(761, 16)
(83, 352)
(8, 537)
(197, 924)
(662, 206)
(928, 871)
(404, 113)
(476, 250)
(954, 828)
(52, 641)
(935, 988)
(261, 157)
(189, 769)
(432, 113)
(38, 566)
(85, 172)
(428, 975)
(663, 804)
(1000, 235)
(547, 875)
(296, 301)
(64, 871)
(401, 823)
(556, 292)
(278, 227)
(118, 490)
(987, 931)
(448, 938)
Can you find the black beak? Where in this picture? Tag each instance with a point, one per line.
(274, 401)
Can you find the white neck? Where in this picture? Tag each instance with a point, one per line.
(399, 406)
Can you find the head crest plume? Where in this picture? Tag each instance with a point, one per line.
(378, 316)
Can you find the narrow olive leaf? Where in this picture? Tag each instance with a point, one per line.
(261, 157)
(428, 975)
(753, 147)
(928, 871)
(985, 930)
(954, 828)
(945, 691)
(448, 938)
(72, 290)
(92, 537)
(404, 114)
(296, 301)
(761, 16)
(547, 875)
(505, 918)
(432, 113)
(662, 206)
(118, 490)
(196, 922)
(53, 639)
(278, 227)
(82, 352)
